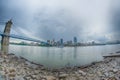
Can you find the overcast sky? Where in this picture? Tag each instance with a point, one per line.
(88, 20)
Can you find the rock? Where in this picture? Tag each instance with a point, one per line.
(43, 68)
(11, 75)
(36, 71)
(1, 60)
(50, 78)
(63, 75)
(91, 75)
(82, 72)
(115, 70)
(19, 78)
(34, 76)
(112, 78)
(27, 78)
(11, 70)
(2, 72)
(43, 79)
(106, 74)
(99, 73)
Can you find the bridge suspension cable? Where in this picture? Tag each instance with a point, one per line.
(17, 30)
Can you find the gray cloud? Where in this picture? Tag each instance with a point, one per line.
(55, 19)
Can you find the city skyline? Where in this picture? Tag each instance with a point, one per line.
(74, 42)
(88, 20)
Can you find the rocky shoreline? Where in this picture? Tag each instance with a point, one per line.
(19, 68)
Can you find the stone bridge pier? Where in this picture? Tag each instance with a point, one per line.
(5, 38)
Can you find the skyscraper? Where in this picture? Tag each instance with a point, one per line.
(75, 40)
(61, 41)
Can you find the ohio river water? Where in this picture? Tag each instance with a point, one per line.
(55, 57)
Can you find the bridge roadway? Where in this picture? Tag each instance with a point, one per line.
(22, 38)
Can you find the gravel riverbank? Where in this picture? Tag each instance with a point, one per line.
(18, 68)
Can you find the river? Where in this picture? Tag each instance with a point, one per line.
(55, 57)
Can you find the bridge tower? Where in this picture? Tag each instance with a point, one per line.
(5, 39)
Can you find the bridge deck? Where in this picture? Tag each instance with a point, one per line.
(23, 38)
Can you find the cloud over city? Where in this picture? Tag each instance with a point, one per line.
(88, 20)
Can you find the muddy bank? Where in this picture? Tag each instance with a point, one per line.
(19, 68)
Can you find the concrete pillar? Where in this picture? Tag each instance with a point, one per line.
(5, 39)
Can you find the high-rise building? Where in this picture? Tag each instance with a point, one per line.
(53, 42)
(75, 40)
(48, 41)
(61, 41)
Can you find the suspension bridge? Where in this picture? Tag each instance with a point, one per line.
(6, 35)
(22, 38)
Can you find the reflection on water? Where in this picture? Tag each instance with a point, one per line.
(55, 57)
(74, 51)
